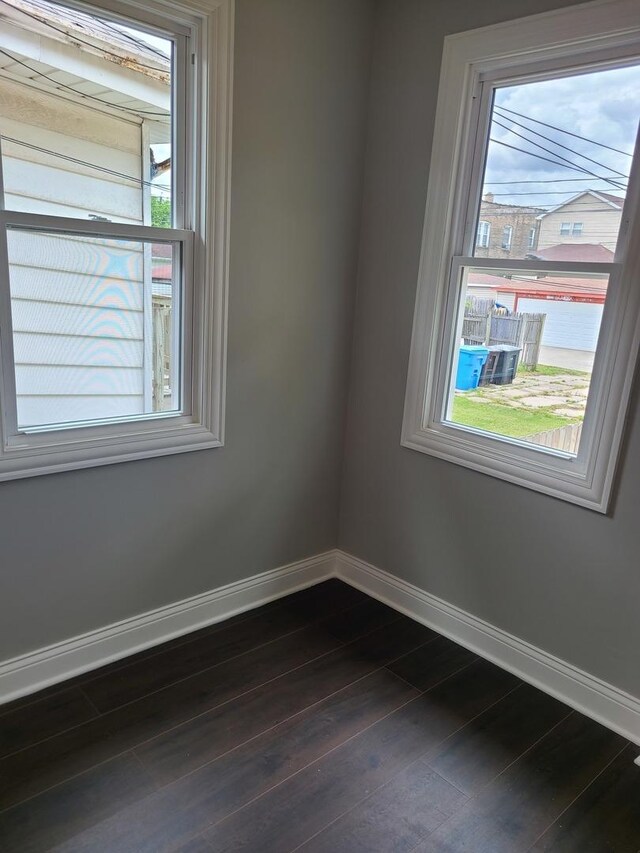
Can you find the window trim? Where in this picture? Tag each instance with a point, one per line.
(205, 257)
(593, 32)
(507, 232)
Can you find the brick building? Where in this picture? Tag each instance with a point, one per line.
(506, 230)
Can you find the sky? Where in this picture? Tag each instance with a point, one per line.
(603, 107)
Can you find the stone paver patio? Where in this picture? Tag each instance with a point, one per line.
(564, 394)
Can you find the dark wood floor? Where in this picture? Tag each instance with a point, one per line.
(290, 729)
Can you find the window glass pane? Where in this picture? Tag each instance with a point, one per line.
(524, 354)
(85, 115)
(558, 161)
(95, 327)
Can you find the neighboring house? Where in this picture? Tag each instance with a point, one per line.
(485, 286)
(587, 252)
(80, 305)
(506, 230)
(589, 217)
(573, 306)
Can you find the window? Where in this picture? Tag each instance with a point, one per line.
(532, 239)
(112, 244)
(531, 385)
(483, 234)
(507, 235)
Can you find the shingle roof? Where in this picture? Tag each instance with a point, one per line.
(587, 252)
(71, 22)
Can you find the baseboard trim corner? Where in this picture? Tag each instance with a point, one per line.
(591, 696)
(44, 667)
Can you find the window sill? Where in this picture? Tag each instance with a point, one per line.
(17, 463)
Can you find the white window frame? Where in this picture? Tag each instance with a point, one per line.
(203, 30)
(543, 44)
(565, 229)
(507, 237)
(532, 238)
(483, 236)
(576, 229)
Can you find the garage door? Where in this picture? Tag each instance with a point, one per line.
(571, 325)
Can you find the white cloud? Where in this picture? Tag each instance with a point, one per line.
(603, 107)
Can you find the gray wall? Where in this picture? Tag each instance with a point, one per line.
(563, 578)
(83, 549)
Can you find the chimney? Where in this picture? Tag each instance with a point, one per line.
(488, 197)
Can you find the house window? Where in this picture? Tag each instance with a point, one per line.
(577, 229)
(533, 391)
(532, 239)
(507, 235)
(111, 244)
(483, 234)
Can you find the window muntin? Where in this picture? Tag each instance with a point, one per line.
(95, 144)
(497, 383)
(87, 343)
(95, 153)
(551, 170)
(557, 313)
(475, 65)
(182, 280)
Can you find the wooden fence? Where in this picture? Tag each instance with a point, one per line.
(565, 438)
(485, 325)
(161, 354)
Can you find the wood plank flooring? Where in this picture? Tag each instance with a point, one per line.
(324, 722)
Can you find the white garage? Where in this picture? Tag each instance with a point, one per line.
(569, 324)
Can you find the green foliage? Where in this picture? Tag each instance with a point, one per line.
(548, 370)
(160, 212)
(505, 420)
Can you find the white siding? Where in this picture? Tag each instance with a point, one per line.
(77, 303)
(506, 299)
(569, 325)
(600, 223)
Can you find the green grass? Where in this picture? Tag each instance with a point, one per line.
(548, 370)
(505, 420)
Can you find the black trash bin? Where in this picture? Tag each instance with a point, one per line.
(506, 364)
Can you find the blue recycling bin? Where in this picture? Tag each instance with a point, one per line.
(470, 363)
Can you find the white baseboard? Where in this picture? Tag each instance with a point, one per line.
(607, 704)
(29, 673)
(595, 698)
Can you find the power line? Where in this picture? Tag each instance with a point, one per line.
(137, 41)
(72, 35)
(540, 211)
(537, 156)
(553, 192)
(576, 166)
(530, 284)
(568, 132)
(75, 92)
(542, 181)
(85, 163)
(566, 147)
(573, 168)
